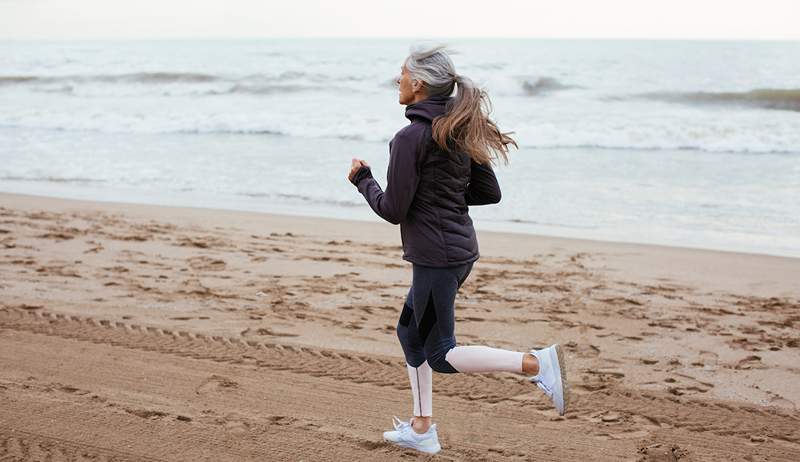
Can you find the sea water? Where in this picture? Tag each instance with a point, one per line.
(690, 143)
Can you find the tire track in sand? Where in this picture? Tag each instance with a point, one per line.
(20, 445)
(655, 410)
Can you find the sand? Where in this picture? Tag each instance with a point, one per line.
(138, 332)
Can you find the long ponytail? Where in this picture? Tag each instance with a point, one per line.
(465, 126)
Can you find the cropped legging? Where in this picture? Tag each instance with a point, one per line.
(426, 331)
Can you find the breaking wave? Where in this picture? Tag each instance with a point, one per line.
(170, 77)
(767, 98)
(136, 77)
(544, 85)
(180, 83)
(51, 179)
(303, 198)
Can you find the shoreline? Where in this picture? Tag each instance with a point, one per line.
(482, 230)
(494, 241)
(781, 243)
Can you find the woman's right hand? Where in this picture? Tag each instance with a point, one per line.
(355, 165)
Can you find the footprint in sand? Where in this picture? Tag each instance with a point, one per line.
(146, 413)
(129, 237)
(202, 242)
(57, 236)
(750, 362)
(96, 247)
(8, 242)
(266, 331)
(234, 425)
(196, 288)
(57, 270)
(206, 263)
(661, 453)
(215, 384)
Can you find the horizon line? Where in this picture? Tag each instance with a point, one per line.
(433, 38)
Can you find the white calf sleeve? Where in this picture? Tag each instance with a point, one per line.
(477, 358)
(421, 379)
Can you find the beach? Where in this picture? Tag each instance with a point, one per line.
(146, 332)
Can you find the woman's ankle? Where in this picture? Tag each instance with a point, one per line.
(421, 424)
(530, 365)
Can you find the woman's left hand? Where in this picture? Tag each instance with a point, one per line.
(355, 166)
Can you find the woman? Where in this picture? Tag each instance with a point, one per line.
(438, 166)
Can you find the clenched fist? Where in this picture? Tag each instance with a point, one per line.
(354, 166)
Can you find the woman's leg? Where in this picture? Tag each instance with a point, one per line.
(426, 330)
(438, 329)
(479, 358)
(546, 365)
(420, 374)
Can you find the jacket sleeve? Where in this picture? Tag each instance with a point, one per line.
(402, 179)
(483, 188)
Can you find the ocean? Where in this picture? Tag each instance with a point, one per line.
(687, 143)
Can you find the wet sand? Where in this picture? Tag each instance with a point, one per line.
(138, 332)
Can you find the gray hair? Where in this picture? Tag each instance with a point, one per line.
(434, 67)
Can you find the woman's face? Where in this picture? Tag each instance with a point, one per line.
(410, 90)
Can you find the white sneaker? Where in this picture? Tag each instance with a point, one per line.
(399, 425)
(552, 376)
(404, 435)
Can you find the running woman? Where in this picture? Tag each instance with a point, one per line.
(439, 164)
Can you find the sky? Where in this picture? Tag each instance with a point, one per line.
(673, 19)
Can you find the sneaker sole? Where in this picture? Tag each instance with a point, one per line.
(562, 371)
(416, 448)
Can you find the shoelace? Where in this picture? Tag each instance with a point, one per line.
(541, 385)
(546, 389)
(404, 427)
(398, 424)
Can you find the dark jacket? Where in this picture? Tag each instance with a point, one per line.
(428, 192)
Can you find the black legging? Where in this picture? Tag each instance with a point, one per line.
(426, 328)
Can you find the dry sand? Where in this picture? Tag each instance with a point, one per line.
(135, 332)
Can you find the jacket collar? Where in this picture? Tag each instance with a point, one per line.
(428, 109)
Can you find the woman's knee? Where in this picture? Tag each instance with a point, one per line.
(440, 364)
(437, 356)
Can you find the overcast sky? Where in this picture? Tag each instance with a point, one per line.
(675, 19)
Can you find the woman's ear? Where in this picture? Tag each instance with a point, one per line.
(416, 86)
